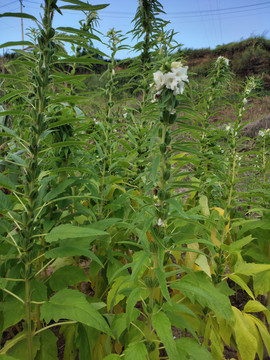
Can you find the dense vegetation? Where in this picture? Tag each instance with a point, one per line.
(134, 214)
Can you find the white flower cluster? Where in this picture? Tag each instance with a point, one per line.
(264, 132)
(173, 80)
(222, 60)
(250, 85)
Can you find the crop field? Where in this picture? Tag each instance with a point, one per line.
(134, 198)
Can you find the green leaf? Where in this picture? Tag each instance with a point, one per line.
(113, 357)
(6, 183)
(20, 348)
(239, 244)
(203, 201)
(161, 276)
(82, 6)
(132, 300)
(136, 351)
(248, 269)
(9, 316)
(140, 261)
(114, 295)
(254, 306)
(59, 189)
(69, 250)
(67, 276)
(48, 346)
(245, 340)
(68, 231)
(19, 15)
(198, 288)
(162, 325)
(16, 43)
(5, 203)
(7, 357)
(202, 262)
(261, 282)
(189, 349)
(242, 284)
(73, 305)
(78, 32)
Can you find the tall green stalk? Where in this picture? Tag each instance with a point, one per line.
(30, 221)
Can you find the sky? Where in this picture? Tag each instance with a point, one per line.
(198, 23)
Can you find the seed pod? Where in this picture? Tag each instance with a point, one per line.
(160, 132)
(172, 118)
(163, 148)
(166, 175)
(168, 139)
(51, 33)
(167, 195)
(148, 282)
(150, 346)
(161, 195)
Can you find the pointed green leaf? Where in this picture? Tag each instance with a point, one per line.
(136, 351)
(162, 325)
(261, 282)
(241, 283)
(189, 347)
(16, 43)
(132, 300)
(5, 203)
(161, 276)
(69, 250)
(200, 289)
(68, 231)
(254, 306)
(67, 276)
(73, 305)
(6, 183)
(48, 346)
(19, 15)
(245, 340)
(202, 262)
(59, 189)
(112, 357)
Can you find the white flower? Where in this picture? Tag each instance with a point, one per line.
(181, 73)
(222, 59)
(96, 121)
(170, 81)
(160, 222)
(125, 115)
(173, 80)
(245, 101)
(113, 72)
(228, 128)
(159, 80)
(176, 65)
(261, 133)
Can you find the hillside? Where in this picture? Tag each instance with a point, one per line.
(248, 57)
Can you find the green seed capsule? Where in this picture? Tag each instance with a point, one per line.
(163, 148)
(148, 282)
(172, 118)
(168, 139)
(166, 175)
(161, 195)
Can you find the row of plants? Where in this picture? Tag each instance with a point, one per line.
(128, 231)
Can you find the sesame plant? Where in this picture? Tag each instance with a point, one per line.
(128, 230)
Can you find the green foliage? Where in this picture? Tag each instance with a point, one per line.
(129, 227)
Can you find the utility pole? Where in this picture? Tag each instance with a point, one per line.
(22, 23)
